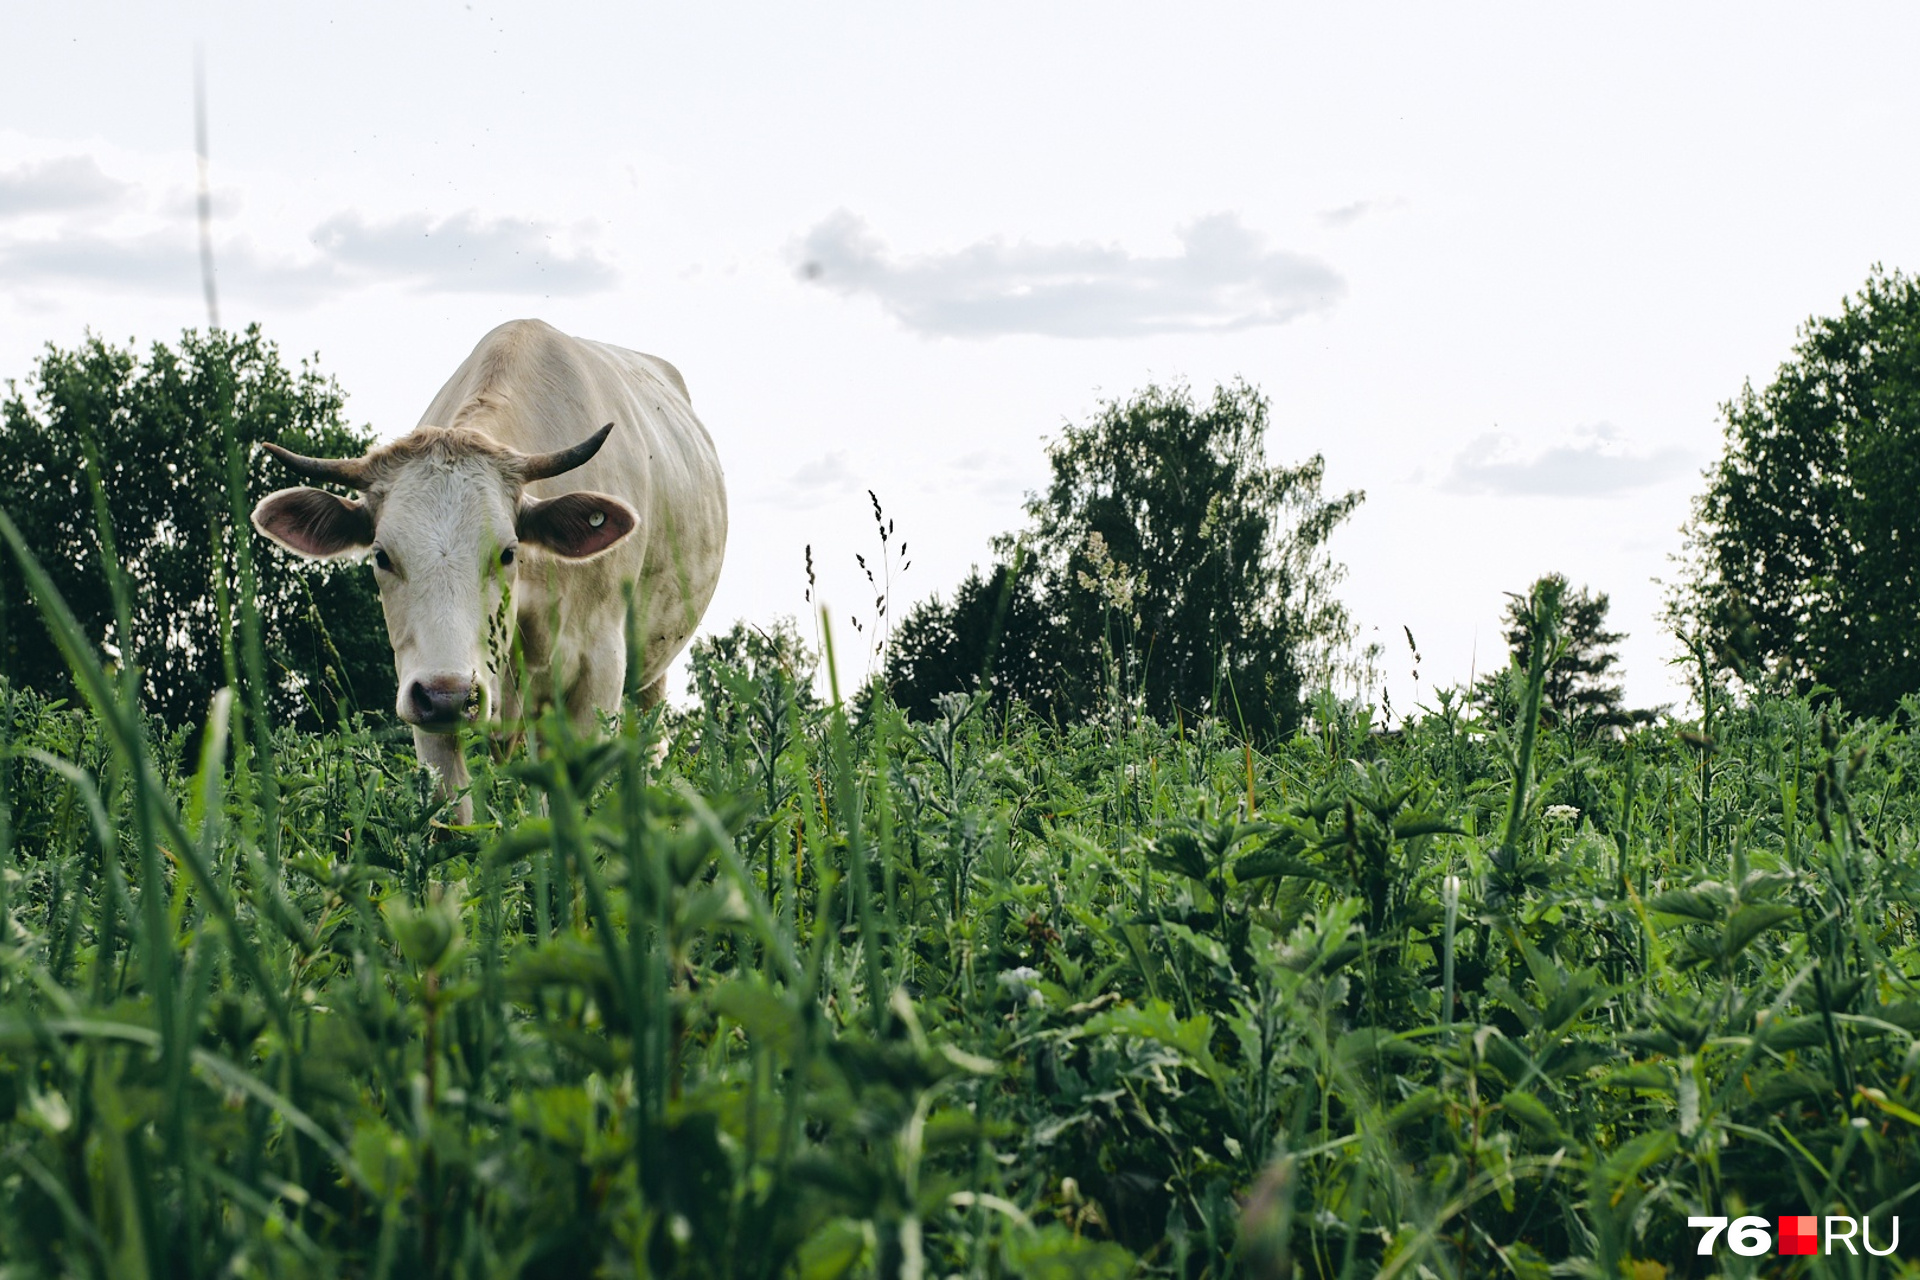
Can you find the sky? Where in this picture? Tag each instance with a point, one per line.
(1499, 264)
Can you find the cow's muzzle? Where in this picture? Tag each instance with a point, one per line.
(440, 704)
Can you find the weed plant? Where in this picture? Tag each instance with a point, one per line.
(830, 994)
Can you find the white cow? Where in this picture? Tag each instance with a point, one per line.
(474, 533)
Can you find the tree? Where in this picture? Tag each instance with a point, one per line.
(719, 662)
(1579, 690)
(1171, 565)
(159, 430)
(1804, 565)
(997, 632)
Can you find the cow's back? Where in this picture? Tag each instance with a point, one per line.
(535, 389)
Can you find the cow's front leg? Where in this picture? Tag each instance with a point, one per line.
(596, 691)
(441, 753)
(508, 729)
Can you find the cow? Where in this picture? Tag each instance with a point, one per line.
(506, 514)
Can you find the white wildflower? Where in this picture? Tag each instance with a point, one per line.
(1020, 985)
(1111, 580)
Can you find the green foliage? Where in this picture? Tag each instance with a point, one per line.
(155, 433)
(1581, 688)
(997, 635)
(1233, 613)
(716, 662)
(1167, 545)
(1806, 543)
(815, 996)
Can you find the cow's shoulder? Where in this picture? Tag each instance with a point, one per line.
(646, 367)
(522, 334)
(533, 350)
(672, 375)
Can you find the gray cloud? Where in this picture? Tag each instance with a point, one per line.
(65, 184)
(1223, 279)
(150, 263)
(461, 254)
(1348, 214)
(981, 461)
(816, 483)
(988, 473)
(161, 262)
(1595, 463)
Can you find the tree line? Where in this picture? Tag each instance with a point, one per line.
(1169, 568)
(1197, 572)
(121, 466)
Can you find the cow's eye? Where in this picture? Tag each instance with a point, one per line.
(380, 560)
(506, 556)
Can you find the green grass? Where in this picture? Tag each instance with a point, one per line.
(826, 993)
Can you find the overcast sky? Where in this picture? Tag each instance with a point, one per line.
(1499, 264)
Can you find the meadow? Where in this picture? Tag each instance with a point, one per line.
(780, 985)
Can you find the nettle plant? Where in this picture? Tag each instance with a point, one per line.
(767, 987)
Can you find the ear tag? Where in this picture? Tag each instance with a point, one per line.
(597, 519)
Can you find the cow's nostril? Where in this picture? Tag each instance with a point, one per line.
(422, 700)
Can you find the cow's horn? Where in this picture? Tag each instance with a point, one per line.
(542, 466)
(351, 472)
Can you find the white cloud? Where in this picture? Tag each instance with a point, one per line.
(1224, 278)
(464, 253)
(63, 184)
(1594, 462)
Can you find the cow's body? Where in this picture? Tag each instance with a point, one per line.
(531, 388)
(494, 517)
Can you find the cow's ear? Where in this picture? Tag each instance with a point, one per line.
(578, 526)
(314, 523)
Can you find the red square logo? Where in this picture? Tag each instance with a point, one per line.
(1799, 1234)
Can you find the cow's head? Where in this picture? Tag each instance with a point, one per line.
(445, 517)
